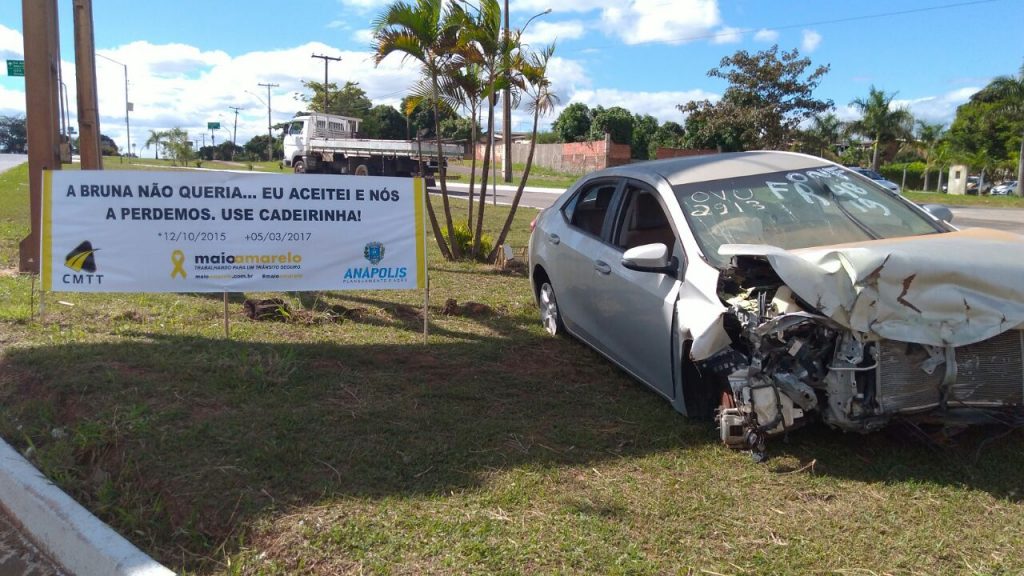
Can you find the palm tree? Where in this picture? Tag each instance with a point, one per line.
(1010, 91)
(468, 85)
(482, 43)
(826, 129)
(542, 101)
(880, 121)
(156, 139)
(426, 32)
(928, 136)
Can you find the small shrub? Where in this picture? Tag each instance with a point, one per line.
(464, 240)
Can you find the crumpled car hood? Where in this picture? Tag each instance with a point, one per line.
(949, 289)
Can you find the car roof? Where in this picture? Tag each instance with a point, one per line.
(714, 166)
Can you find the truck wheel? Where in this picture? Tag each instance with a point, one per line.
(362, 170)
(299, 167)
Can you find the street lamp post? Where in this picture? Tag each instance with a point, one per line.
(127, 104)
(506, 120)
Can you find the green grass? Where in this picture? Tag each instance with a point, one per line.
(320, 447)
(965, 200)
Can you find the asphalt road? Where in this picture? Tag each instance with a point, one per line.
(8, 161)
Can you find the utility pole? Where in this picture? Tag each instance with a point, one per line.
(234, 132)
(506, 118)
(85, 68)
(270, 136)
(327, 92)
(42, 97)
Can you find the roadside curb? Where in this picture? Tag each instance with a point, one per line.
(68, 533)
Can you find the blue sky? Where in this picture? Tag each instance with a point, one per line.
(190, 60)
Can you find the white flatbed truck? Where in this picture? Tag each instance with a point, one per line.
(328, 143)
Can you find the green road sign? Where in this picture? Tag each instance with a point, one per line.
(213, 125)
(15, 67)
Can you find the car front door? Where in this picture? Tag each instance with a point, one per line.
(635, 310)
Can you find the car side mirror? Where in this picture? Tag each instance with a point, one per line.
(650, 258)
(939, 211)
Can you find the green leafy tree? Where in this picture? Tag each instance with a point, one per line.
(1008, 93)
(882, 122)
(386, 123)
(178, 145)
(108, 147)
(769, 96)
(350, 101)
(826, 131)
(156, 140)
(616, 121)
(13, 134)
(668, 135)
(573, 124)
(427, 33)
(644, 128)
(256, 148)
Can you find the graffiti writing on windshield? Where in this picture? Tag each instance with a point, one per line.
(810, 184)
(721, 203)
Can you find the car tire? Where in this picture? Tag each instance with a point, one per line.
(549, 314)
(299, 167)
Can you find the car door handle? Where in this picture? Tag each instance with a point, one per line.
(554, 239)
(602, 267)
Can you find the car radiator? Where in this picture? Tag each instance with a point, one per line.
(988, 373)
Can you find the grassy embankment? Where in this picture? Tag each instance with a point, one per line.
(323, 447)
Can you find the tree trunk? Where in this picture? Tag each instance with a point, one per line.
(483, 177)
(455, 252)
(874, 155)
(1020, 168)
(519, 192)
(472, 169)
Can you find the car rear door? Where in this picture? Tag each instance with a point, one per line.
(586, 220)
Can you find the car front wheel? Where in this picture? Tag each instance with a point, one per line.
(299, 167)
(549, 315)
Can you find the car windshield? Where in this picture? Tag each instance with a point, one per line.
(795, 209)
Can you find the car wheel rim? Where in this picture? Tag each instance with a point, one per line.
(548, 309)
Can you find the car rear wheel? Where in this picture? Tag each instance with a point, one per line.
(549, 315)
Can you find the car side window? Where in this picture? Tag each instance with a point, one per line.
(588, 210)
(643, 221)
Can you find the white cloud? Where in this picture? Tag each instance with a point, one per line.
(938, 109)
(542, 33)
(12, 102)
(567, 76)
(766, 35)
(12, 44)
(644, 21)
(811, 40)
(727, 35)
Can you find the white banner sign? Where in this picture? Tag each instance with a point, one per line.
(135, 231)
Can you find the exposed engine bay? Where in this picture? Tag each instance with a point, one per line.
(789, 364)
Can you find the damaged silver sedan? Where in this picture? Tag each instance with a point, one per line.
(768, 289)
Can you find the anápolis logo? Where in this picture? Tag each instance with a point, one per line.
(82, 258)
(374, 252)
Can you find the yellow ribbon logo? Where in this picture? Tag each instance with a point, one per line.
(178, 258)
